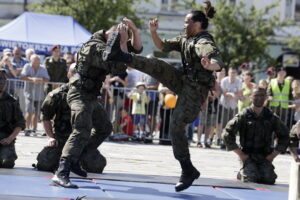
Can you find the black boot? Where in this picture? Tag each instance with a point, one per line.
(77, 169)
(188, 175)
(61, 177)
(113, 50)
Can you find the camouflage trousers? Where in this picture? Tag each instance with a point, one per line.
(258, 170)
(8, 155)
(91, 160)
(86, 113)
(191, 95)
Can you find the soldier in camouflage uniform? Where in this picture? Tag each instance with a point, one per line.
(56, 67)
(200, 58)
(255, 126)
(86, 112)
(55, 107)
(11, 123)
(294, 141)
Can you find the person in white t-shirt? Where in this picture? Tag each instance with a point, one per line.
(231, 87)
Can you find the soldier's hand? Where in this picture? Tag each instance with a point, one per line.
(52, 142)
(123, 30)
(6, 141)
(205, 62)
(129, 23)
(297, 159)
(270, 158)
(153, 25)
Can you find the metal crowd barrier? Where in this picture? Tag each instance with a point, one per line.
(158, 117)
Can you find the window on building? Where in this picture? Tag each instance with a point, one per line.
(288, 9)
(297, 10)
(164, 4)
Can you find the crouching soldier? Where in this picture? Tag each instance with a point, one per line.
(255, 126)
(11, 123)
(55, 107)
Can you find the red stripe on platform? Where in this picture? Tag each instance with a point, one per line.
(48, 176)
(262, 189)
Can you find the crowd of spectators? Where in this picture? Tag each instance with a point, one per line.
(135, 101)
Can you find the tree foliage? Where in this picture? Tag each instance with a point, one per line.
(92, 14)
(242, 35)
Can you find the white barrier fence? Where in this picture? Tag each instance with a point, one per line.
(157, 116)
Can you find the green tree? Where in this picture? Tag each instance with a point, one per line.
(92, 14)
(242, 35)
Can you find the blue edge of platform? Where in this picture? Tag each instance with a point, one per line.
(31, 187)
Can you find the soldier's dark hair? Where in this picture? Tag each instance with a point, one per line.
(200, 16)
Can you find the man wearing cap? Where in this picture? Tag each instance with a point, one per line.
(11, 123)
(56, 108)
(280, 93)
(57, 68)
(11, 69)
(256, 126)
(85, 85)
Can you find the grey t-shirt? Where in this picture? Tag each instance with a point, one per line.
(34, 91)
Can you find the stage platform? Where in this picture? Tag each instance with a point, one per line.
(26, 183)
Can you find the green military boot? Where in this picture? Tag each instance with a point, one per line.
(113, 50)
(188, 175)
(61, 177)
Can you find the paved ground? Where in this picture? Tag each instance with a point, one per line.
(154, 159)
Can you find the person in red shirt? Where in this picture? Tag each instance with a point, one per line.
(126, 122)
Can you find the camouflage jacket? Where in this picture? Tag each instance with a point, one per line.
(56, 108)
(192, 50)
(256, 132)
(294, 138)
(91, 69)
(10, 115)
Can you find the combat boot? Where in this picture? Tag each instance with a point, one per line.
(61, 177)
(188, 175)
(77, 169)
(113, 50)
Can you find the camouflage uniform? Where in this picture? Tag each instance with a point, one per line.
(57, 71)
(86, 111)
(55, 107)
(256, 140)
(294, 139)
(10, 117)
(191, 84)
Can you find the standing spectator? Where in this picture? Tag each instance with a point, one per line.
(165, 116)
(218, 91)
(139, 101)
(151, 86)
(119, 82)
(231, 87)
(11, 123)
(280, 92)
(10, 68)
(247, 88)
(28, 54)
(36, 76)
(294, 141)
(296, 97)
(56, 67)
(271, 73)
(19, 61)
(134, 76)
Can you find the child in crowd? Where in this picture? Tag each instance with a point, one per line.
(139, 100)
(126, 126)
